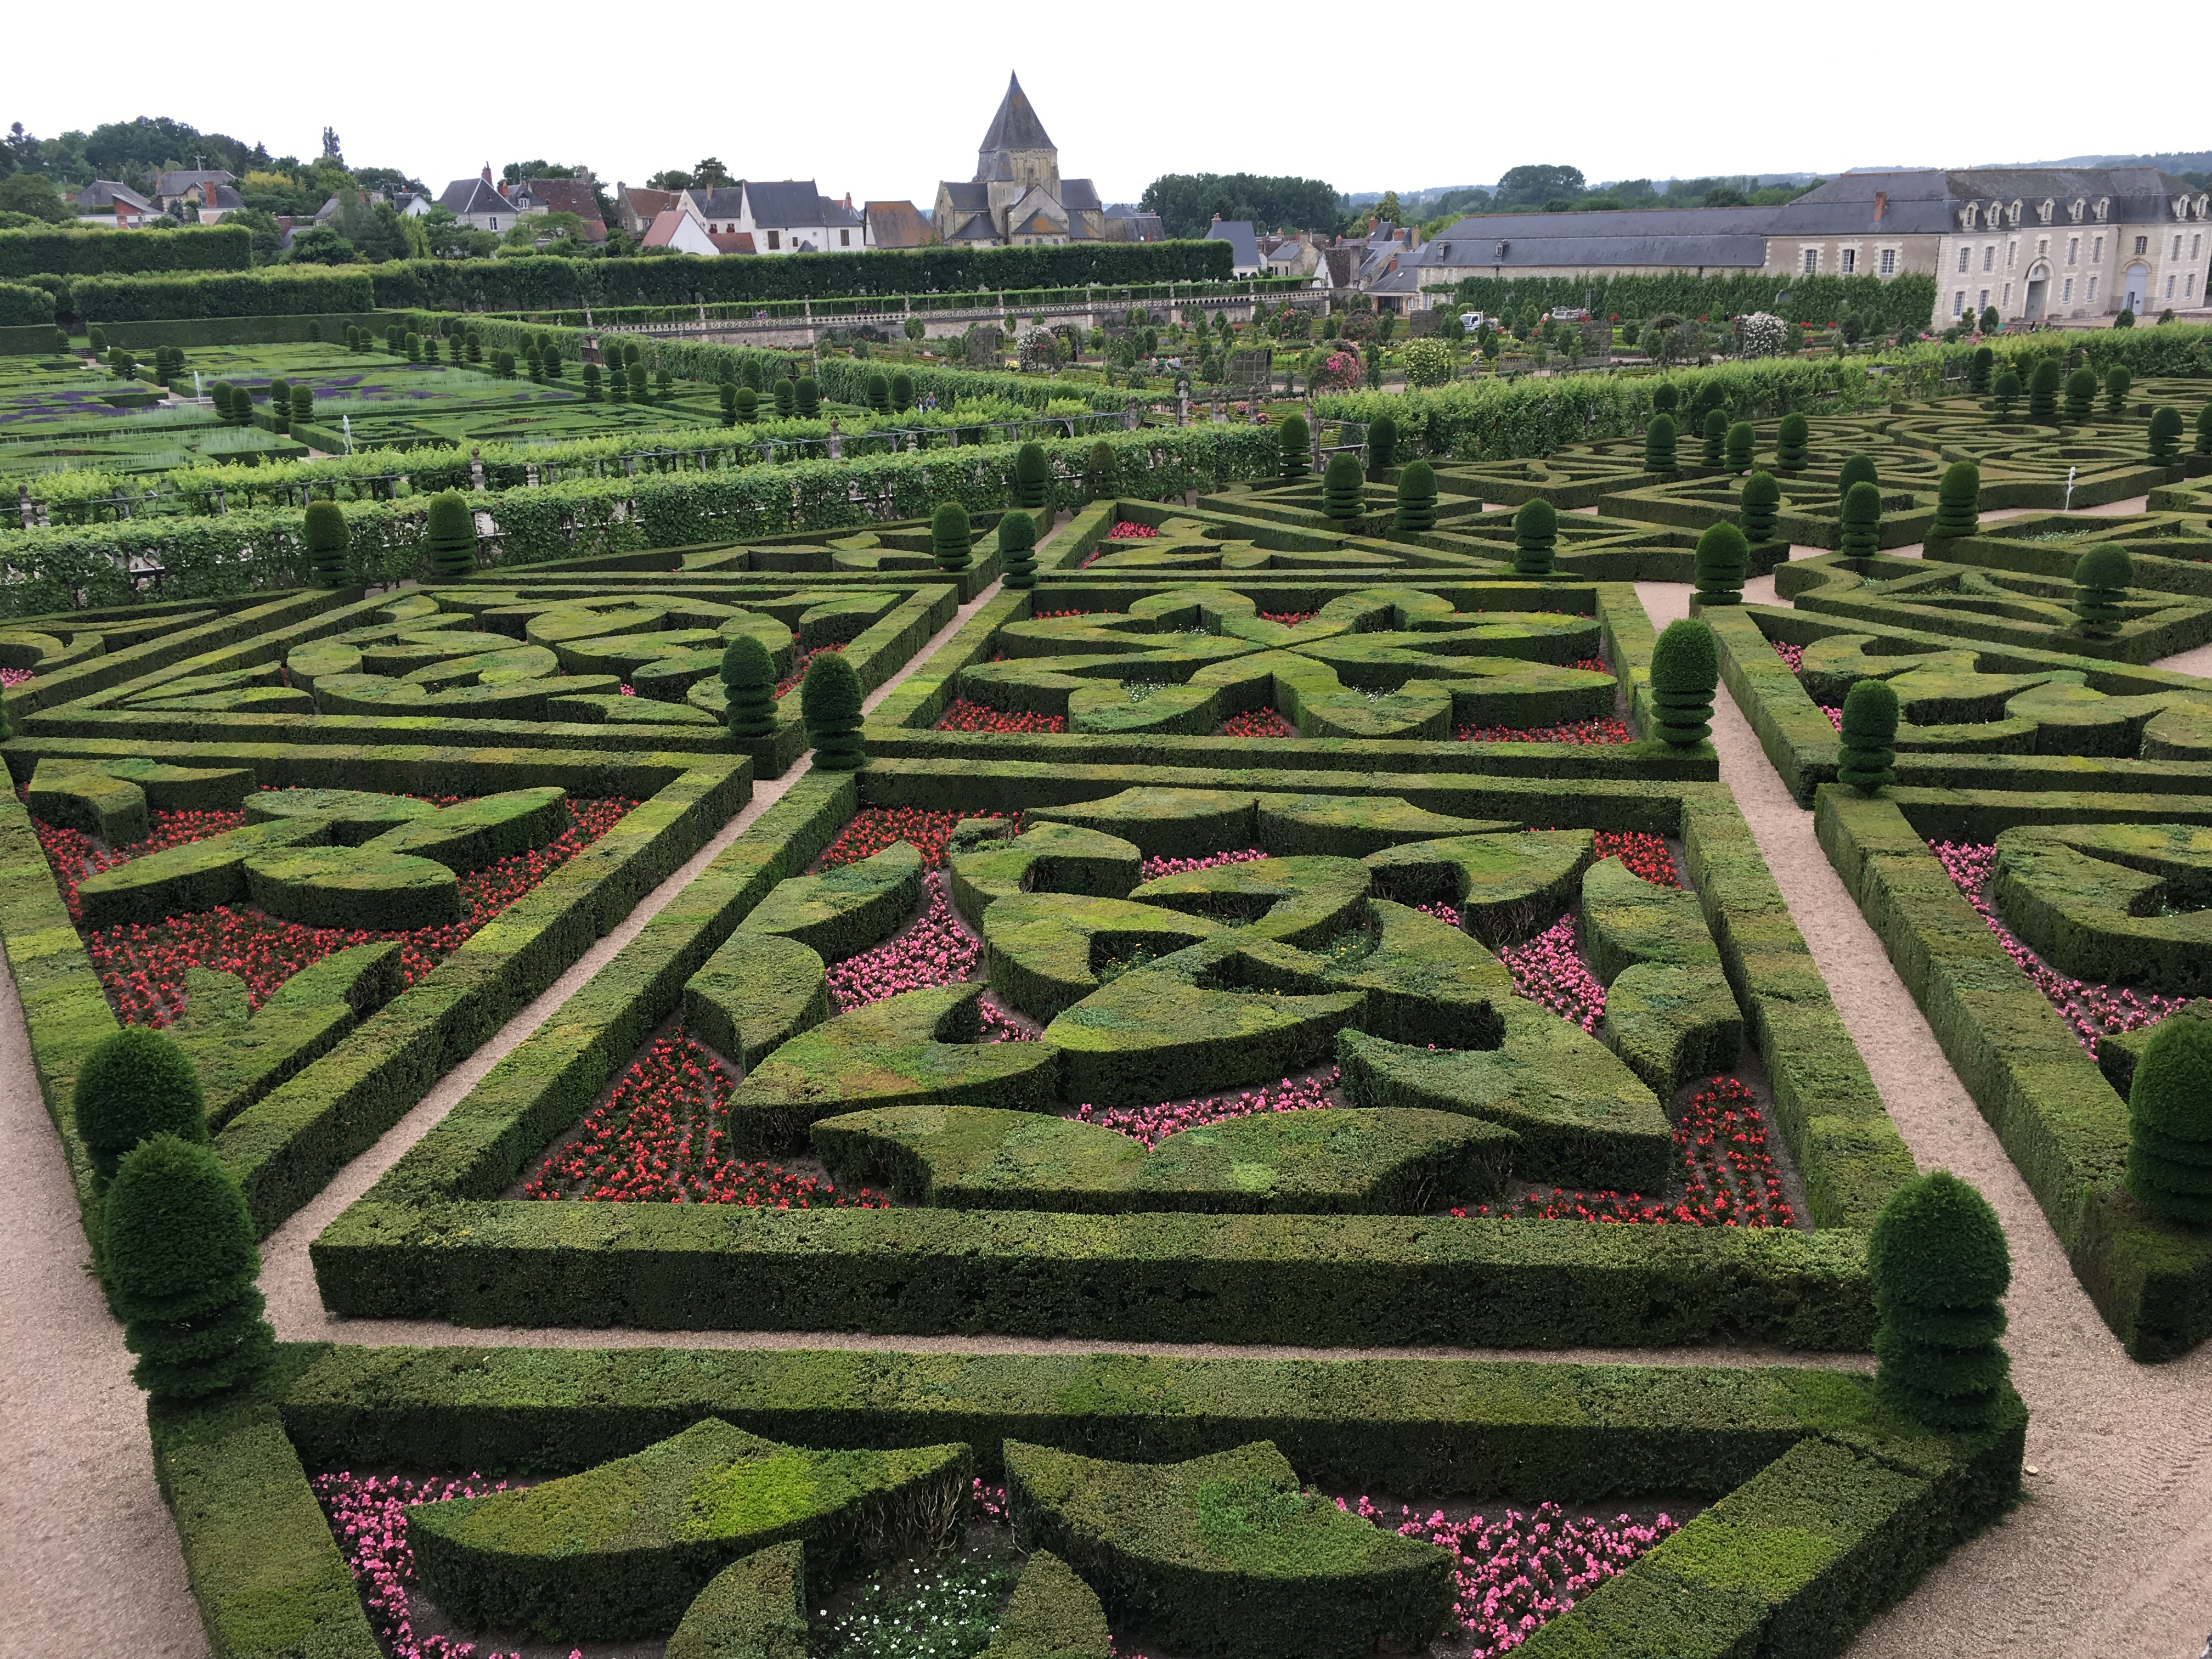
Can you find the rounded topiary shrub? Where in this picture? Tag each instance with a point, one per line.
(1791, 439)
(1867, 758)
(2004, 395)
(950, 536)
(1017, 549)
(177, 1248)
(748, 676)
(1686, 667)
(2102, 576)
(2043, 388)
(1659, 457)
(1736, 453)
(138, 1083)
(1723, 562)
(1715, 437)
(1032, 478)
(1294, 440)
(1416, 505)
(1860, 537)
(1343, 488)
(1958, 501)
(2170, 1122)
(830, 703)
(452, 534)
(2118, 384)
(1382, 445)
(325, 532)
(1940, 1268)
(1535, 537)
(2165, 435)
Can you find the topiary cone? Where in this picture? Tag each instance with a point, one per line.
(1860, 538)
(1416, 505)
(1723, 562)
(452, 535)
(1740, 440)
(1686, 667)
(327, 535)
(950, 535)
(1659, 446)
(1937, 1259)
(1958, 501)
(2165, 435)
(1535, 537)
(749, 678)
(137, 1084)
(1017, 549)
(1715, 436)
(1867, 758)
(1294, 437)
(2004, 394)
(2169, 1169)
(1382, 446)
(1032, 478)
(1343, 489)
(2043, 392)
(830, 703)
(177, 1247)
(2102, 576)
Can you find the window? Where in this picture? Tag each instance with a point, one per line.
(1959, 302)
(1990, 257)
(1889, 262)
(1811, 260)
(1851, 260)
(2143, 245)
(2066, 293)
(2092, 295)
(2073, 250)
(774, 241)
(1965, 254)
(844, 239)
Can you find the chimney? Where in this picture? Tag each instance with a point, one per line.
(1881, 203)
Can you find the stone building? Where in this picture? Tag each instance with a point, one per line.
(1017, 198)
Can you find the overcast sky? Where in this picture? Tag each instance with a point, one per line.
(884, 99)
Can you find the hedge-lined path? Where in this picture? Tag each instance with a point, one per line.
(2110, 1553)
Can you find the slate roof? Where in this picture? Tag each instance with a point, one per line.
(1244, 251)
(1016, 125)
(781, 204)
(466, 195)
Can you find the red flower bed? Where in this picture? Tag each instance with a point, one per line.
(142, 966)
(663, 1137)
(965, 716)
(1258, 723)
(1730, 1179)
(874, 828)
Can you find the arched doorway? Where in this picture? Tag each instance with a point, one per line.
(2038, 284)
(2137, 286)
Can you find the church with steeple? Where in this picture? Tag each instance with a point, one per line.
(1017, 198)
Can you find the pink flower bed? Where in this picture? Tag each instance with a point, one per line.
(2090, 1010)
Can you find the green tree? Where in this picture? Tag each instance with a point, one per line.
(2169, 1169)
(1659, 457)
(1535, 537)
(2165, 435)
(1382, 446)
(2080, 396)
(1715, 437)
(1860, 536)
(1739, 447)
(830, 704)
(177, 1247)
(1937, 1261)
(452, 535)
(138, 1083)
(1293, 439)
(2004, 393)
(1686, 667)
(2102, 576)
(950, 536)
(2117, 381)
(808, 396)
(1791, 439)
(2043, 392)
(328, 537)
(1017, 549)
(749, 678)
(1032, 478)
(1958, 501)
(1416, 505)
(1723, 562)
(1867, 757)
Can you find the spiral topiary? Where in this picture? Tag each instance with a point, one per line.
(327, 535)
(1977, 370)
(1416, 506)
(1737, 454)
(1343, 489)
(2043, 392)
(1716, 435)
(950, 538)
(1860, 535)
(1294, 437)
(1723, 562)
(1017, 549)
(1382, 446)
(1958, 501)
(452, 534)
(1535, 537)
(749, 678)
(137, 1084)
(2170, 1122)
(2117, 383)
(2004, 395)
(1940, 1268)
(2165, 435)
(1867, 758)
(1858, 468)
(2102, 576)
(177, 1248)
(1761, 505)
(1659, 456)
(830, 703)
(1686, 667)
(1790, 440)
(1032, 478)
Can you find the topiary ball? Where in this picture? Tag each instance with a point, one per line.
(138, 1083)
(1939, 1265)
(452, 534)
(1723, 563)
(949, 537)
(1866, 758)
(1382, 445)
(749, 678)
(327, 536)
(1017, 549)
(830, 703)
(1686, 667)
(1416, 505)
(2169, 1168)
(1535, 537)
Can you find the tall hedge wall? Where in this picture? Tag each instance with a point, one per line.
(289, 290)
(1893, 303)
(114, 252)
